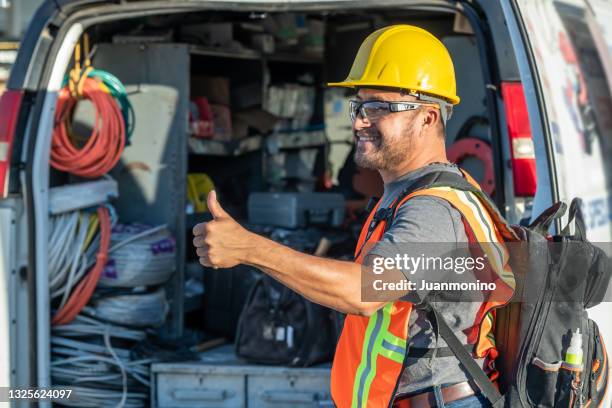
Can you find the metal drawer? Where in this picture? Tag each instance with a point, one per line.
(199, 389)
(221, 380)
(303, 388)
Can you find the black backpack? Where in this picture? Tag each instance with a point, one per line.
(533, 331)
(278, 326)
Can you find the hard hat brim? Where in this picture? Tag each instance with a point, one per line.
(452, 99)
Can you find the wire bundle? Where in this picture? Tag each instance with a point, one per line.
(68, 276)
(116, 88)
(125, 256)
(141, 256)
(99, 373)
(99, 153)
(96, 155)
(82, 354)
(132, 309)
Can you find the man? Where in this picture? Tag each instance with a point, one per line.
(405, 85)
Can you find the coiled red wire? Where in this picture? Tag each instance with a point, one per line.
(85, 288)
(102, 150)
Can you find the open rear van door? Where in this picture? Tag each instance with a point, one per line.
(570, 55)
(572, 64)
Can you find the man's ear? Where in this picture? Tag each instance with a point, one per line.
(432, 117)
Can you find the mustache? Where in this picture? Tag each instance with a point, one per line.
(368, 132)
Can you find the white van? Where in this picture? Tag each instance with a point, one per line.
(535, 79)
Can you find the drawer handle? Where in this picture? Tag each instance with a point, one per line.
(187, 394)
(290, 396)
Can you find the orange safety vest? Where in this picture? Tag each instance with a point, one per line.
(370, 354)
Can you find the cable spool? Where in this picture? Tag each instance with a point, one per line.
(102, 149)
(135, 309)
(96, 155)
(471, 147)
(140, 256)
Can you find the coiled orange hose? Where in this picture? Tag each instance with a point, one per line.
(102, 150)
(83, 291)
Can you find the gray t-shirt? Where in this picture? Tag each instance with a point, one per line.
(427, 219)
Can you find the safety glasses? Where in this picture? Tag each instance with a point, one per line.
(374, 110)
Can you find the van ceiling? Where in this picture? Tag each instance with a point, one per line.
(440, 23)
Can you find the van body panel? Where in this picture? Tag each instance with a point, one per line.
(577, 102)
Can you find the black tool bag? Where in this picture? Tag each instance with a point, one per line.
(278, 326)
(226, 291)
(534, 331)
(558, 279)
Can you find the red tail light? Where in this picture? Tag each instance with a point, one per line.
(521, 140)
(10, 102)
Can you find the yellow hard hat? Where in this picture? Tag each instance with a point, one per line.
(405, 57)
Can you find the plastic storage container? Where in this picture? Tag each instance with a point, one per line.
(296, 210)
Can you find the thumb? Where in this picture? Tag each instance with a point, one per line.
(214, 207)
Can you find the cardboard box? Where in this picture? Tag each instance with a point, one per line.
(215, 89)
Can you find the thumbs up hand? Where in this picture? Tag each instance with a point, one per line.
(222, 242)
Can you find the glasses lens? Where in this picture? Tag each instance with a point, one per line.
(370, 110)
(375, 110)
(353, 108)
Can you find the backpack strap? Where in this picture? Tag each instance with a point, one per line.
(428, 352)
(484, 383)
(387, 214)
(440, 179)
(467, 183)
(575, 214)
(458, 182)
(542, 224)
(429, 180)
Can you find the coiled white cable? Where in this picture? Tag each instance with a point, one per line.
(77, 264)
(134, 309)
(139, 256)
(69, 259)
(101, 375)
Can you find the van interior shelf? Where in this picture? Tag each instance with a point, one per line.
(273, 142)
(246, 53)
(72, 197)
(224, 148)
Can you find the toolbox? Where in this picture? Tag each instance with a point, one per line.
(296, 209)
(220, 379)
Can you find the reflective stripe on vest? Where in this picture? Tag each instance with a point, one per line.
(371, 350)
